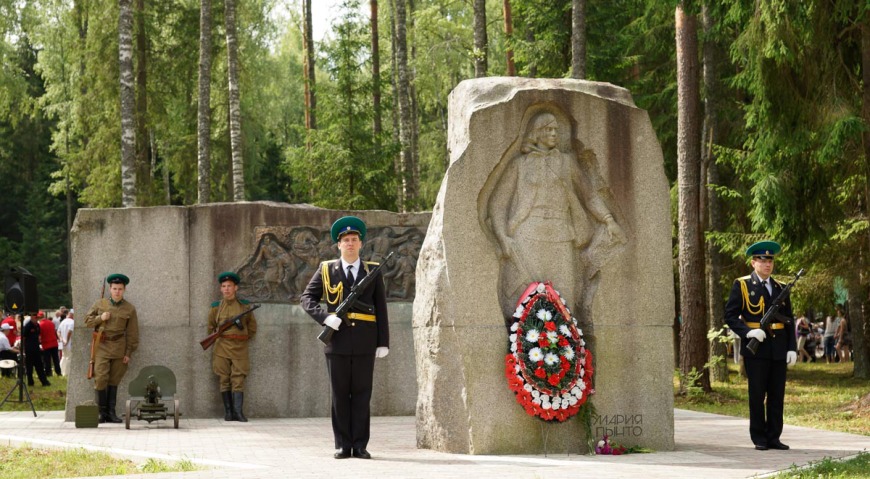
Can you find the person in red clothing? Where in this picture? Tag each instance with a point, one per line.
(48, 341)
(13, 333)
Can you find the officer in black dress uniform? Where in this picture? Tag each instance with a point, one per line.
(350, 356)
(766, 369)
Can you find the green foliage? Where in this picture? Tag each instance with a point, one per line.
(857, 467)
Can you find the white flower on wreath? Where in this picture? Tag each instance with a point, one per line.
(581, 385)
(537, 401)
(536, 394)
(541, 288)
(518, 313)
(515, 326)
(544, 315)
(580, 331)
(545, 397)
(533, 335)
(513, 338)
(536, 355)
(550, 359)
(564, 330)
(528, 387)
(513, 346)
(568, 352)
(557, 403)
(546, 405)
(517, 368)
(572, 400)
(553, 337)
(576, 390)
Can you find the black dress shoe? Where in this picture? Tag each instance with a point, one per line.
(341, 453)
(780, 446)
(760, 447)
(362, 454)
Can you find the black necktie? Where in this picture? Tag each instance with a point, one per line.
(350, 278)
(768, 287)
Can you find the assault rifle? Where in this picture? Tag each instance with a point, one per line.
(96, 336)
(234, 321)
(341, 311)
(773, 312)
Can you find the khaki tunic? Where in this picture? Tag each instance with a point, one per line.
(230, 356)
(120, 339)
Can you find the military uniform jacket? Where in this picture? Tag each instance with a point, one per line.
(120, 332)
(359, 337)
(747, 303)
(233, 342)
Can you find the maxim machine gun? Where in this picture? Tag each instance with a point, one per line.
(153, 386)
(772, 314)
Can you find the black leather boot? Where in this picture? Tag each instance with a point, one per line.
(112, 394)
(227, 396)
(102, 403)
(238, 402)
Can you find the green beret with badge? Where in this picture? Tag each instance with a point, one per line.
(764, 249)
(348, 224)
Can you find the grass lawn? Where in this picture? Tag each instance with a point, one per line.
(817, 395)
(50, 398)
(28, 463)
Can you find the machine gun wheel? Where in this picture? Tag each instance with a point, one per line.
(128, 413)
(177, 412)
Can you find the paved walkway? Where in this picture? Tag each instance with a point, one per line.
(707, 445)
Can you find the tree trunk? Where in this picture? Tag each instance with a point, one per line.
(480, 40)
(530, 38)
(693, 334)
(716, 309)
(394, 85)
(235, 107)
(578, 39)
(128, 103)
(861, 315)
(143, 158)
(509, 33)
(376, 77)
(415, 120)
(203, 122)
(409, 188)
(308, 68)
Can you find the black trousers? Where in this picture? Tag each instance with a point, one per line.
(49, 357)
(766, 378)
(33, 360)
(350, 378)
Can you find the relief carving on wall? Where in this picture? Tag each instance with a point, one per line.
(285, 258)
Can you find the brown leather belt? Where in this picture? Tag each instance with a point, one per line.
(113, 338)
(236, 337)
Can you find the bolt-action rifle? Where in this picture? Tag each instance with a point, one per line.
(96, 337)
(773, 313)
(234, 321)
(341, 311)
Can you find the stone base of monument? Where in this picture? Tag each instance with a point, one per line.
(558, 180)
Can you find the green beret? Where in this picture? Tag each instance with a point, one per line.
(764, 248)
(348, 224)
(229, 276)
(117, 278)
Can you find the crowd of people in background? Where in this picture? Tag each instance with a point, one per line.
(828, 337)
(45, 341)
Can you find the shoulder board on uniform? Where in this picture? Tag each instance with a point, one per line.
(371, 263)
(245, 301)
(215, 304)
(744, 278)
(328, 261)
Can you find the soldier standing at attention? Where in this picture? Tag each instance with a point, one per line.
(230, 358)
(766, 369)
(350, 356)
(118, 321)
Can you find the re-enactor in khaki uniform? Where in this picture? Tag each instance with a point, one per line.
(230, 357)
(117, 319)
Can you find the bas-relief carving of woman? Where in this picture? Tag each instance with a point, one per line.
(546, 213)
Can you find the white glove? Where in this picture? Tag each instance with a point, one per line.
(790, 358)
(758, 334)
(382, 352)
(332, 321)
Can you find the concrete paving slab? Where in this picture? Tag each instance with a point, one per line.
(707, 445)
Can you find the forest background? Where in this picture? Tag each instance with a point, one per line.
(762, 108)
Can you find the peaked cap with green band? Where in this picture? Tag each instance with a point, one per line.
(229, 276)
(764, 248)
(118, 278)
(348, 224)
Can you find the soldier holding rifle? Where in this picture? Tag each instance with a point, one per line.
(117, 327)
(359, 337)
(750, 297)
(230, 358)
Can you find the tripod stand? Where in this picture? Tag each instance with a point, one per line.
(20, 384)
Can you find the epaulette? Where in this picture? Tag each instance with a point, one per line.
(244, 301)
(328, 261)
(744, 278)
(215, 304)
(371, 263)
